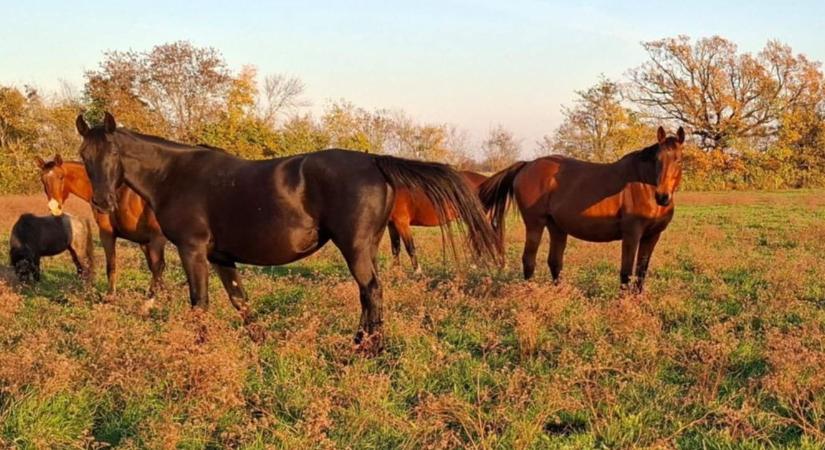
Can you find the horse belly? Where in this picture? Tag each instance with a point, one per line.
(269, 244)
(600, 229)
(600, 222)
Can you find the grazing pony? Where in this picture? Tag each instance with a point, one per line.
(629, 200)
(220, 209)
(33, 237)
(413, 208)
(132, 220)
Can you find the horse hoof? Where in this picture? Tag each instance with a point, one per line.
(148, 306)
(257, 333)
(359, 337)
(370, 345)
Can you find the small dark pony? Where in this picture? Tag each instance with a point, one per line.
(415, 209)
(34, 237)
(629, 200)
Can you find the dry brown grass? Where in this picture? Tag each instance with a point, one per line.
(726, 349)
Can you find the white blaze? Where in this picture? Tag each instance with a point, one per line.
(55, 208)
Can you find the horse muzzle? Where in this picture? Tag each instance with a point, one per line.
(663, 199)
(55, 207)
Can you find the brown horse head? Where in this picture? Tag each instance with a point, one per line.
(668, 165)
(99, 151)
(52, 175)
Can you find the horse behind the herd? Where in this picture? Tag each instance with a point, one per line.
(132, 220)
(629, 200)
(413, 208)
(220, 209)
(34, 237)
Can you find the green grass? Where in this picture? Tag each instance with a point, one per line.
(725, 350)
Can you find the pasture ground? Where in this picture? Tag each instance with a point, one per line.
(725, 350)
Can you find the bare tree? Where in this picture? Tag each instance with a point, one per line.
(281, 94)
(500, 149)
(721, 94)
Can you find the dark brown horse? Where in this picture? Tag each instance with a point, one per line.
(225, 210)
(629, 200)
(132, 219)
(413, 208)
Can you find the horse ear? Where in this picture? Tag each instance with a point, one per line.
(39, 161)
(82, 126)
(109, 123)
(681, 135)
(58, 160)
(661, 135)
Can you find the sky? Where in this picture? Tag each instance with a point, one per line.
(475, 64)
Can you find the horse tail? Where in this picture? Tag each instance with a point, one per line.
(496, 194)
(449, 194)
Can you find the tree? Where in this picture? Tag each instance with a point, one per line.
(500, 149)
(281, 94)
(181, 84)
(355, 128)
(598, 127)
(300, 134)
(239, 128)
(721, 94)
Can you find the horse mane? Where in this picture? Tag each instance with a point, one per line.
(646, 154)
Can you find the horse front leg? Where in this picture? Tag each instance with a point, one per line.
(155, 259)
(196, 266)
(231, 281)
(646, 246)
(109, 242)
(630, 245)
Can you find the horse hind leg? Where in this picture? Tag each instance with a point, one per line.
(395, 243)
(534, 229)
(555, 258)
(406, 235)
(361, 262)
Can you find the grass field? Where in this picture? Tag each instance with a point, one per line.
(725, 350)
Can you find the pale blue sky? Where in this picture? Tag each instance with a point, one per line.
(472, 63)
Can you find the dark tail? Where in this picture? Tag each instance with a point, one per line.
(496, 194)
(449, 194)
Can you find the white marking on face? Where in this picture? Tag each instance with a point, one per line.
(55, 208)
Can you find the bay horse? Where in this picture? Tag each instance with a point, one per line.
(629, 200)
(132, 219)
(33, 237)
(221, 209)
(413, 208)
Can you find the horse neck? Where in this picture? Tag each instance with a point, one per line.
(635, 169)
(145, 165)
(76, 181)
